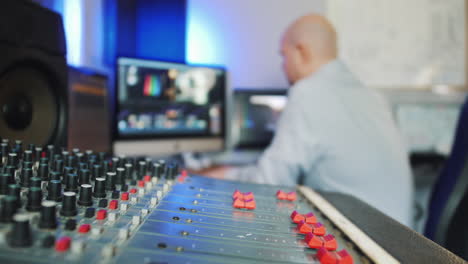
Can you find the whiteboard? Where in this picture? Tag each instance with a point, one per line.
(401, 43)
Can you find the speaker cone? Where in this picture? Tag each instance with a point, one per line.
(28, 105)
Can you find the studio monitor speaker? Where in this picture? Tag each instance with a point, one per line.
(33, 74)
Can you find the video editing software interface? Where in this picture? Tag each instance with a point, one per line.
(257, 114)
(159, 99)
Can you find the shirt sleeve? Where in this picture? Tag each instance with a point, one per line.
(293, 151)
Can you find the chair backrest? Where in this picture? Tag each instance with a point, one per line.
(449, 196)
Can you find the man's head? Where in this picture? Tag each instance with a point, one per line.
(307, 44)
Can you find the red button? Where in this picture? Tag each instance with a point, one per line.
(330, 257)
(314, 241)
(133, 190)
(250, 204)
(329, 242)
(291, 196)
(84, 228)
(280, 195)
(345, 257)
(101, 214)
(304, 228)
(248, 196)
(238, 203)
(63, 244)
(310, 218)
(141, 184)
(113, 204)
(236, 194)
(124, 196)
(147, 178)
(297, 217)
(184, 173)
(319, 229)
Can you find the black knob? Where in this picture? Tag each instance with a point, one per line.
(71, 184)
(26, 174)
(44, 160)
(4, 182)
(10, 170)
(110, 181)
(50, 151)
(34, 199)
(66, 171)
(90, 212)
(121, 162)
(54, 190)
(12, 159)
(120, 176)
(82, 166)
(58, 165)
(37, 154)
(141, 169)
(91, 162)
(88, 153)
(171, 171)
(4, 148)
(65, 155)
(43, 171)
(86, 192)
(84, 176)
(115, 163)
(131, 161)
(20, 235)
(19, 146)
(8, 208)
(48, 219)
(14, 190)
(128, 171)
(80, 157)
(55, 176)
(28, 156)
(105, 168)
(101, 156)
(115, 195)
(71, 161)
(156, 170)
(27, 164)
(69, 204)
(96, 172)
(162, 163)
(35, 182)
(100, 188)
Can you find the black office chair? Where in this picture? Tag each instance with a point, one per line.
(447, 222)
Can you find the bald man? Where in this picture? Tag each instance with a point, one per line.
(334, 133)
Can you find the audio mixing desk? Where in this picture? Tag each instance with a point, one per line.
(84, 207)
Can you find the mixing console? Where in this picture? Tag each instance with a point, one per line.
(84, 207)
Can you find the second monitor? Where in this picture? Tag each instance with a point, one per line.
(166, 108)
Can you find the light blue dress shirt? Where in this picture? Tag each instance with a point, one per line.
(341, 137)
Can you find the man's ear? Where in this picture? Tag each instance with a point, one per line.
(304, 53)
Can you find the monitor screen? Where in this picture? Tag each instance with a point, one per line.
(256, 115)
(179, 107)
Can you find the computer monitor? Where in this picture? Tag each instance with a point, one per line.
(165, 108)
(256, 113)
